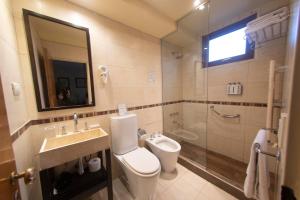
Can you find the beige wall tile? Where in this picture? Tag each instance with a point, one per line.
(256, 92)
(171, 113)
(255, 116)
(234, 72)
(171, 73)
(225, 136)
(10, 70)
(194, 114)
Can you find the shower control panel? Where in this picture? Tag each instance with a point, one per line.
(234, 88)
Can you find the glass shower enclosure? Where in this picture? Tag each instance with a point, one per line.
(195, 96)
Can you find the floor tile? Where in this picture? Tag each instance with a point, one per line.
(120, 191)
(180, 191)
(168, 179)
(215, 193)
(180, 185)
(193, 180)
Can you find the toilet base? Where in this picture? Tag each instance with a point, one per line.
(140, 187)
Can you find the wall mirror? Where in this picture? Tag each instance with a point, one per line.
(60, 56)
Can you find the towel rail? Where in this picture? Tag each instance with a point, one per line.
(212, 108)
(258, 150)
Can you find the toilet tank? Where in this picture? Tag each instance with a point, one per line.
(124, 133)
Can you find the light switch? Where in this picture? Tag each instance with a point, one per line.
(16, 88)
(151, 77)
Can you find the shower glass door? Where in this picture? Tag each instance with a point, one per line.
(185, 86)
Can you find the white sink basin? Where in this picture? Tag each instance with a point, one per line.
(58, 150)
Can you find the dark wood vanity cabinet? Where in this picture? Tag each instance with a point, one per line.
(81, 186)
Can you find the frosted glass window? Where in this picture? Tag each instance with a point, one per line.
(227, 46)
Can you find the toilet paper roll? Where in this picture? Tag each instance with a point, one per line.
(94, 164)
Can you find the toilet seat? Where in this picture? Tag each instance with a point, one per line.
(142, 161)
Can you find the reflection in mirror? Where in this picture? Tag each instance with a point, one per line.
(61, 62)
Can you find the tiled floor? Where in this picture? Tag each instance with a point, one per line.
(182, 185)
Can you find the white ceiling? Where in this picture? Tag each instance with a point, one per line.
(175, 9)
(219, 14)
(159, 17)
(138, 14)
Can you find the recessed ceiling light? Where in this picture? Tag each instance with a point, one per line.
(196, 3)
(199, 5)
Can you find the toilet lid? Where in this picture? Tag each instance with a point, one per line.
(142, 161)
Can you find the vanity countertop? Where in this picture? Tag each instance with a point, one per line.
(58, 150)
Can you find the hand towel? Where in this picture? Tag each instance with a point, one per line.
(257, 181)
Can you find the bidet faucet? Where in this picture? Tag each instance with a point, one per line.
(75, 118)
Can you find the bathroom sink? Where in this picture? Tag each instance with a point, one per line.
(61, 149)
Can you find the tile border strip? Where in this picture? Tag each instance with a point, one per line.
(22, 129)
(227, 103)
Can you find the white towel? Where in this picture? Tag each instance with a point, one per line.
(274, 17)
(265, 28)
(257, 181)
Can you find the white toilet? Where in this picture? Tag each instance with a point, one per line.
(166, 149)
(141, 167)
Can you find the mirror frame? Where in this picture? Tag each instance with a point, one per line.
(26, 15)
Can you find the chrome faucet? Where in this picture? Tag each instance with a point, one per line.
(75, 118)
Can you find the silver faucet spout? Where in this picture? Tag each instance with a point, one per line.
(75, 118)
